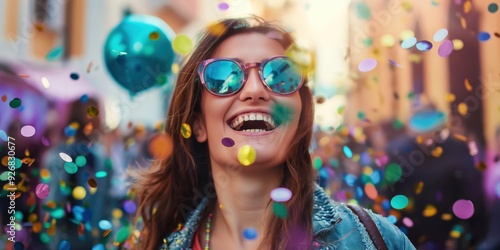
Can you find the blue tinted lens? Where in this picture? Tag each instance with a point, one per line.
(223, 77)
(282, 75)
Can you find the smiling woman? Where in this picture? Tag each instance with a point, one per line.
(244, 180)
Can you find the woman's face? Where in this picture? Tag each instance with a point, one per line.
(254, 101)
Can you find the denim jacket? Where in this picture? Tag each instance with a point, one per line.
(335, 226)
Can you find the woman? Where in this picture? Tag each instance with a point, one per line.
(203, 196)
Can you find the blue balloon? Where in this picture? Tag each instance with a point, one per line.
(138, 53)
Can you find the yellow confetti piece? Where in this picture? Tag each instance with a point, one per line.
(185, 130)
(429, 211)
(420, 139)
(460, 137)
(450, 97)
(175, 68)
(117, 213)
(467, 7)
(92, 111)
(446, 216)
(182, 44)
(463, 22)
(462, 108)
(303, 58)
(455, 234)
(246, 155)
(405, 34)
(387, 40)
(437, 152)
(457, 44)
(468, 87)
(79, 193)
(419, 187)
(216, 28)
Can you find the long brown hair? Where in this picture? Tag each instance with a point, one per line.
(168, 190)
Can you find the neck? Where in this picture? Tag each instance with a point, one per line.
(243, 201)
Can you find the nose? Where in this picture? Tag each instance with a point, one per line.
(254, 88)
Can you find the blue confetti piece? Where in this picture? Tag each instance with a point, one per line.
(3, 135)
(483, 36)
(392, 219)
(350, 179)
(64, 245)
(250, 233)
(347, 152)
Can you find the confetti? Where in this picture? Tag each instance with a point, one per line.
(105, 233)
(463, 22)
(74, 76)
(347, 151)
(23, 75)
(407, 222)
(65, 157)
(123, 234)
(467, 7)
(101, 174)
(457, 44)
(305, 59)
(462, 108)
(129, 206)
(467, 84)
(160, 146)
(28, 131)
(92, 111)
(84, 98)
(463, 209)
(89, 67)
(445, 48)
(246, 155)
(18, 245)
(281, 114)
(363, 11)
(70, 167)
(182, 44)
(399, 202)
(154, 36)
(216, 28)
(440, 35)
(493, 7)
(250, 233)
(80, 161)
(371, 191)
(408, 42)
(387, 41)
(280, 210)
(429, 211)
(228, 142)
(4, 98)
(393, 63)
(281, 194)
(393, 172)
(105, 225)
(15, 103)
(223, 6)
(45, 82)
(367, 65)
(424, 46)
(419, 187)
(483, 36)
(185, 130)
(42, 190)
(64, 245)
(55, 53)
(79, 193)
(437, 152)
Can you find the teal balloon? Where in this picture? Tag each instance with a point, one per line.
(138, 53)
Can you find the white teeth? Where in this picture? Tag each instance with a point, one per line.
(253, 130)
(253, 117)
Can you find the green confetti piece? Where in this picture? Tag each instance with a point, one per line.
(101, 174)
(317, 162)
(70, 167)
(399, 201)
(55, 53)
(368, 42)
(411, 95)
(393, 172)
(4, 176)
(397, 124)
(361, 115)
(123, 234)
(57, 213)
(280, 210)
(281, 114)
(18, 163)
(80, 161)
(15, 103)
(19, 215)
(45, 238)
(363, 11)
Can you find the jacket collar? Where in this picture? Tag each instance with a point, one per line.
(324, 218)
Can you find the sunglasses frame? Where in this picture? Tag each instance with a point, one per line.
(244, 68)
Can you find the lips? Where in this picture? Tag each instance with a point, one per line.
(252, 122)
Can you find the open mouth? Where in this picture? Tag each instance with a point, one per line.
(253, 122)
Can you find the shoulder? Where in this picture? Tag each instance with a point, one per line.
(348, 232)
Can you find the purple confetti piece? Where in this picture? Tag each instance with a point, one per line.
(228, 142)
(445, 48)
